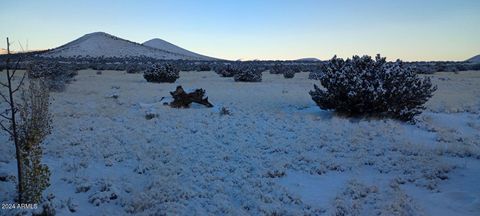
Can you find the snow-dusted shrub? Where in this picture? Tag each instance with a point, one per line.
(227, 71)
(185, 66)
(161, 73)
(289, 73)
(119, 67)
(133, 68)
(45, 209)
(315, 75)
(33, 127)
(96, 66)
(248, 74)
(315, 72)
(105, 194)
(56, 75)
(204, 67)
(372, 87)
(150, 115)
(277, 69)
(225, 111)
(296, 68)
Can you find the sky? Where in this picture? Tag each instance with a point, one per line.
(411, 30)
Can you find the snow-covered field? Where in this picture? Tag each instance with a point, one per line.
(276, 154)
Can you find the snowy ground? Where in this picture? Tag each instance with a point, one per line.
(276, 154)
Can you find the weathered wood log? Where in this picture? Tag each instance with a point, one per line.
(181, 99)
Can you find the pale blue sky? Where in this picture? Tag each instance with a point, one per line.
(259, 29)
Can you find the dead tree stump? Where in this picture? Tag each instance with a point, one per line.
(181, 99)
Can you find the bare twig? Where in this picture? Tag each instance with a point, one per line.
(15, 68)
(5, 117)
(5, 129)
(4, 98)
(3, 84)
(21, 47)
(20, 84)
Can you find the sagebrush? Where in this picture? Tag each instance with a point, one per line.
(372, 87)
(162, 73)
(33, 126)
(54, 74)
(288, 74)
(133, 68)
(227, 70)
(248, 74)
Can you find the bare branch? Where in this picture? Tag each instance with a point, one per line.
(5, 112)
(3, 84)
(15, 68)
(5, 117)
(20, 84)
(21, 46)
(5, 98)
(15, 110)
(6, 129)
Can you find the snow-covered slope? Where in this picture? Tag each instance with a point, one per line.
(475, 59)
(99, 44)
(164, 45)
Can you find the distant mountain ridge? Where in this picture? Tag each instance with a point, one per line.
(475, 59)
(101, 44)
(309, 59)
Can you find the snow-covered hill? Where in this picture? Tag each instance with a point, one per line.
(99, 44)
(309, 59)
(164, 45)
(475, 59)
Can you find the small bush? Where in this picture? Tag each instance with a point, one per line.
(225, 111)
(227, 71)
(149, 116)
(248, 74)
(316, 71)
(133, 68)
(277, 69)
(204, 67)
(315, 75)
(288, 74)
(364, 86)
(288, 71)
(161, 73)
(33, 127)
(56, 75)
(296, 69)
(94, 66)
